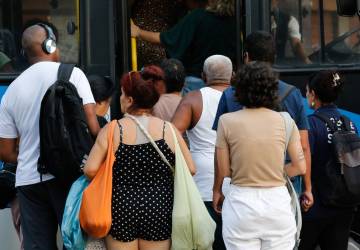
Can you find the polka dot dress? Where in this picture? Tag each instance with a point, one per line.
(142, 197)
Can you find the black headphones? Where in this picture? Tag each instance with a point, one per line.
(49, 44)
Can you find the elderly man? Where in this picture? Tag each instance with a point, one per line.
(41, 201)
(195, 114)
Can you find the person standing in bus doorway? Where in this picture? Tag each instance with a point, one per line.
(200, 34)
(41, 201)
(195, 115)
(260, 46)
(286, 28)
(156, 16)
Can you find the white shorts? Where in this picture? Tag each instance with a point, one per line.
(258, 218)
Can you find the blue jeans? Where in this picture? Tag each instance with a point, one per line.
(192, 83)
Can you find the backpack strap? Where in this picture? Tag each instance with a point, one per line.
(64, 71)
(289, 126)
(327, 121)
(288, 89)
(346, 123)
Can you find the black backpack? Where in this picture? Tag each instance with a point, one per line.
(339, 184)
(65, 139)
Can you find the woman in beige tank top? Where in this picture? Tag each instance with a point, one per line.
(250, 149)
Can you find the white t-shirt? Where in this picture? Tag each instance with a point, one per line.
(20, 112)
(294, 28)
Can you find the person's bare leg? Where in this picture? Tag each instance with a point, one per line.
(112, 244)
(154, 245)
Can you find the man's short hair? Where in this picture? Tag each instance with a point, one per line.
(174, 74)
(218, 68)
(260, 46)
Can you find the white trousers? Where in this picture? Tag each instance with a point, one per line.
(258, 218)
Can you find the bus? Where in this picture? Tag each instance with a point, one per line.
(95, 35)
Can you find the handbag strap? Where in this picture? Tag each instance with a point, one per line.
(289, 125)
(146, 133)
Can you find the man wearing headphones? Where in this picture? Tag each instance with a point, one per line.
(41, 201)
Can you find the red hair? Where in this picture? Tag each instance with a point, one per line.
(152, 72)
(142, 91)
(155, 74)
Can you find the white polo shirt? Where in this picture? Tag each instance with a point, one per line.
(20, 113)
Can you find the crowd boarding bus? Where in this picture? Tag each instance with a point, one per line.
(95, 36)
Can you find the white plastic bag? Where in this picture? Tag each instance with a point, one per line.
(192, 226)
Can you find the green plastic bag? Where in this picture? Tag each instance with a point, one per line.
(192, 226)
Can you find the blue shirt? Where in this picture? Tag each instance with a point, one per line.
(320, 146)
(293, 103)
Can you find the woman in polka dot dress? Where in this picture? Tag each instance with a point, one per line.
(142, 195)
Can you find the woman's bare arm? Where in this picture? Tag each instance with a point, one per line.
(222, 170)
(296, 153)
(97, 154)
(149, 36)
(186, 152)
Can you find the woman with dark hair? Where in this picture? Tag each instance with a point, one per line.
(201, 33)
(157, 75)
(250, 146)
(174, 81)
(324, 225)
(142, 195)
(102, 89)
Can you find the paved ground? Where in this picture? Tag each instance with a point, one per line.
(8, 237)
(9, 240)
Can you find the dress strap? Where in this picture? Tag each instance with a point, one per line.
(121, 131)
(163, 136)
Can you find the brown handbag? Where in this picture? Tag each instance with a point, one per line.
(95, 210)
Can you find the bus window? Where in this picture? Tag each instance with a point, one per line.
(291, 26)
(307, 37)
(341, 35)
(17, 14)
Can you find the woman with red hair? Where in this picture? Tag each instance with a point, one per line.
(142, 195)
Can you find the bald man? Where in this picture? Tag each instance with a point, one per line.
(41, 200)
(195, 115)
